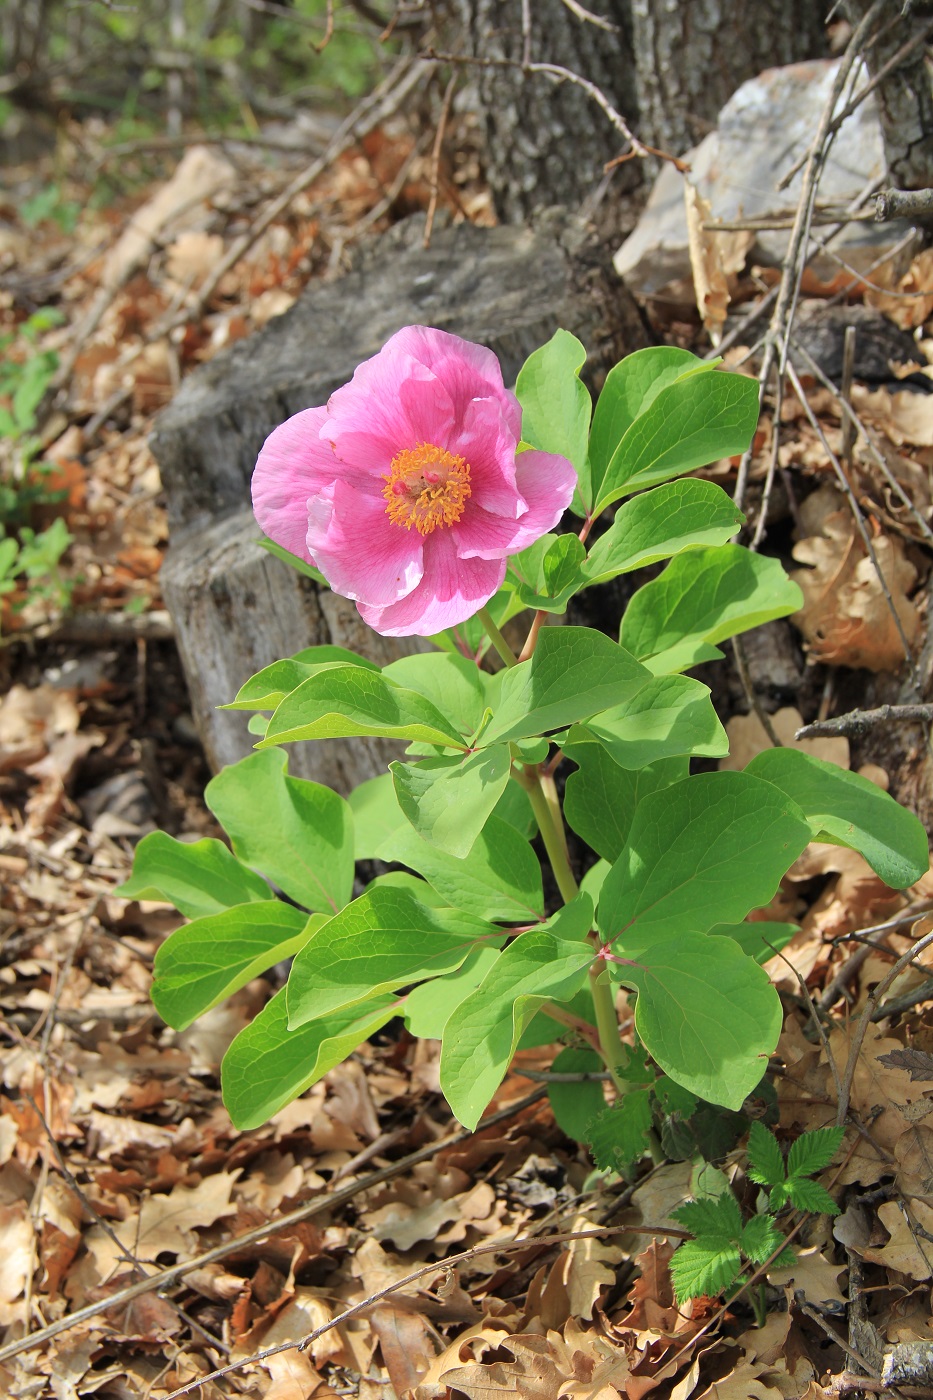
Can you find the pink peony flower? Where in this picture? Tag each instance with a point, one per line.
(407, 490)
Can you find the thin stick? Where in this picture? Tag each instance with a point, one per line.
(329, 1201)
(751, 695)
(436, 157)
(904, 204)
(857, 722)
(845, 394)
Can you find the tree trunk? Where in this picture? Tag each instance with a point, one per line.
(667, 68)
(905, 96)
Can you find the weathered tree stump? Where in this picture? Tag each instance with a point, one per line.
(235, 607)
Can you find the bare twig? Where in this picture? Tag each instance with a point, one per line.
(898, 1005)
(589, 18)
(751, 695)
(904, 204)
(327, 1201)
(858, 722)
(436, 156)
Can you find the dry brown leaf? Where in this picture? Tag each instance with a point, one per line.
(713, 257)
(812, 1272)
(17, 1259)
(744, 1383)
(903, 417)
(915, 304)
(908, 1251)
(881, 1095)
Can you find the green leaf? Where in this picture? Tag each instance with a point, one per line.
(500, 879)
(428, 1006)
(673, 1098)
(765, 1158)
(293, 560)
(404, 880)
(670, 716)
(210, 959)
(759, 939)
(696, 420)
(699, 1269)
(382, 941)
(630, 389)
(455, 686)
(808, 1195)
(600, 798)
(813, 1152)
(267, 1065)
(576, 1105)
(706, 850)
(846, 809)
(349, 702)
(760, 1238)
(701, 598)
(556, 406)
(198, 877)
(297, 833)
(548, 573)
(515, 808)
(376, 815)
(480, 1038)
(672, 518)
(448, 800)
(269, 687)
(716, 1219)
(574, 673)
(706, 1013)
(618, 1135)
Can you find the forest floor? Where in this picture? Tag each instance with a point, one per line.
(146, 1242)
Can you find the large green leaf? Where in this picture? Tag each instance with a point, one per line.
(703, 851)
(382, 941)
(269, 687)
(547, 574)
(574, 673)
(482, 1033)
(213, 957)
(298, 833)
(376, 815)
(198, 877)
(454, 685)
(429, 1005)
(601, 798)
(849, 810)
(703, 597)
(500, 879)
(630, 389)
(556, 406)
(449, 800)
(696, 420)
(706, 1013)
(672, 715)
(575, 1105)
(758, 938)
(677, 516)
(349, 702)
(267, 1065)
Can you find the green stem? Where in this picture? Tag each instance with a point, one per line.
(495, 636)
(530, 779)
(607, 1023)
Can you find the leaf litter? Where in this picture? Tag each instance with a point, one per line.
(117, 1160)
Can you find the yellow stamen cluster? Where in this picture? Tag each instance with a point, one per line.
(426, 487)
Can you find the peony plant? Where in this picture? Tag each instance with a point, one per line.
(542, 843)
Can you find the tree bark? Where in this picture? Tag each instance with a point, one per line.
(905, 95)
(667, 68)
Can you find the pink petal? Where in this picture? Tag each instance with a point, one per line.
(489, 445)
(359, 550)
(294, 463)
(451, 590)
(392, 402)
(547, 484)
(466, 370)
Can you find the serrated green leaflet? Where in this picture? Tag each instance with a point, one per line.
(267, 1065)
(448, 800)
(703, 851)
(670, 716)
(765, 1158)
(548, 573)
(677, 516)
(211, 958)
(703, 597)
(500, 879)
(349, 702)
(546, 964)
(455, 686)
(618, 1135)
(706, 1013)
(382, 941)
(574, 673)
(269, 687)
(298, 833)
(556, 406)
(630, 389)
(696, 420)
(846, 809)
(600, 799)
(198, 877)
(813, 1152)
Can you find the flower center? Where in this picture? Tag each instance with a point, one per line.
(426, 487)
